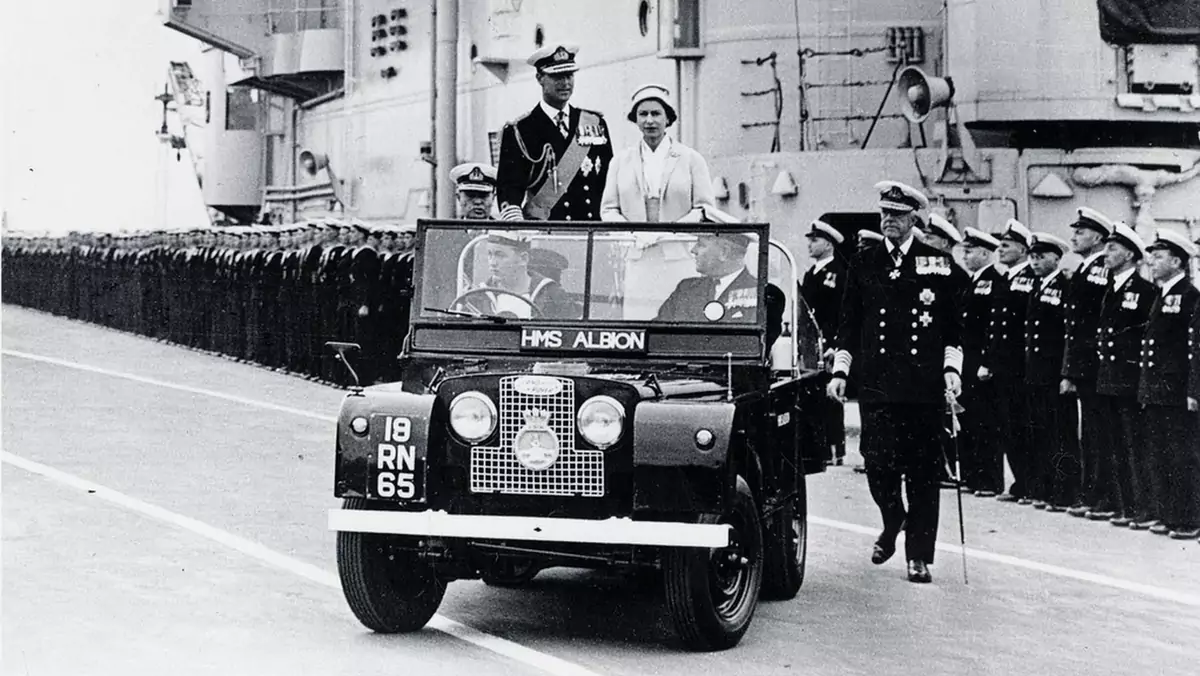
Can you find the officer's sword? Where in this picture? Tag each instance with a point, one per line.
(953, 408)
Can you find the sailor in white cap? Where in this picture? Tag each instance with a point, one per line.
(1123, 316)
(822, 287)
(554, 159)
(982, 470)
(900, 332)
(1053, 474)
(657, 179)
(1169, 390)
(941, 234)
(1084, 297)
(1005, 358)
(476, 186)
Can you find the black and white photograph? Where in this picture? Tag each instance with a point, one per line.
(600, 337)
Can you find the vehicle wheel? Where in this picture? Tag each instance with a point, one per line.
(787, 549)
(712, 593)
(509, 572)
(389, 590)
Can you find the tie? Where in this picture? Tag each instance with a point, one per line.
(897, 256)
(562, 124)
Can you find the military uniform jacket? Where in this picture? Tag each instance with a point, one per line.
(1085, 293)
(1165, 364)
(822, 291)
(1045, 330)
(1005, 355)
(531, 150)
(1123, 317)
(1194, 355)
(899, 324)
(686, 303)
(977, 318)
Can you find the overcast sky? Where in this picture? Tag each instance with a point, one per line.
(79, 150)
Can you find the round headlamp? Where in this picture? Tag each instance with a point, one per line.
(601, 421)
(472, 416)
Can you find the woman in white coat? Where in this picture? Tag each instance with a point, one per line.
(657, 180)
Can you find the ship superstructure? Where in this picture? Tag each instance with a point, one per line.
(796, 105)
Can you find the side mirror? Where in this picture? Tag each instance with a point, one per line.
(340, 349)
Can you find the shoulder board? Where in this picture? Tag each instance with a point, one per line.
(523, 116)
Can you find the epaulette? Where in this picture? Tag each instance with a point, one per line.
(589, 110)
(513, 122)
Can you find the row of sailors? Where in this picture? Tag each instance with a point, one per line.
(1087, 381)
(271, 295)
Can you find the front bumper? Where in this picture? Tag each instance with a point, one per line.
(613, 531)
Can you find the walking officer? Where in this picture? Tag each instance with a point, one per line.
(1053, 415)
(1005, 357)
(554, 159)
(981, 464)
(1085, 293)
(1123, 317)
(821, 288)
(900, 333)
(1167, 390)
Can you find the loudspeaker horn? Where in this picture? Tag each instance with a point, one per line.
(312, 162)
(920, 93)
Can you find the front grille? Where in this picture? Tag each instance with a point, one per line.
(576, 472)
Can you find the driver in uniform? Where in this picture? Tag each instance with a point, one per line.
(517, 289)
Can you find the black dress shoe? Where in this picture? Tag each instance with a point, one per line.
(919, 572)
(1184, 534)
(882, 552)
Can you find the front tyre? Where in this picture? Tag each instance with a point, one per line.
(787, 548)
(389, 589)
(712, 594)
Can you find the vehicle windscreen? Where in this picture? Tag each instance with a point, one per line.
(579, 275)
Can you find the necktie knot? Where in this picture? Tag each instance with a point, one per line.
(562, 123)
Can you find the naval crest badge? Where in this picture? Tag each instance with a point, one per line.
(536, 445)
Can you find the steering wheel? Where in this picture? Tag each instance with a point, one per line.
(534, 312)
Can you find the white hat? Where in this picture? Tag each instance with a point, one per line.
(870, 235)
(555, 59)
(652, 92)
(513, 238)
(474, 177)
(1015, 231)
(1125, 236)
(897, 196)
(976, 237)
(940, 226)
(820, 228)
(1094, 220)
(1045, 242)
(1173, 241)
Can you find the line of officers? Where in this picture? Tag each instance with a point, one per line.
(1087, 380)
(265, 294)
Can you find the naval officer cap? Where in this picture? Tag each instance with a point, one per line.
(824, 230)
(1044, 242)
(977, 237)
(1169, 240)
(474, 177)
(1091, 219)
(555, 59)
(938, 225)
(1126, 236)
(511, 238)
(869, 236)
(1015, 231)
(896, 196)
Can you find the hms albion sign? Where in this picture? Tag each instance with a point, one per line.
(600, 340)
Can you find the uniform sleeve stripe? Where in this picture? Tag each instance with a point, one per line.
(953, 359)
(841, 363)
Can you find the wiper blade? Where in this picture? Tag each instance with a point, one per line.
(472, 315)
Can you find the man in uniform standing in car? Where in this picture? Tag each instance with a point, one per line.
(900, 332)
(554, 159)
